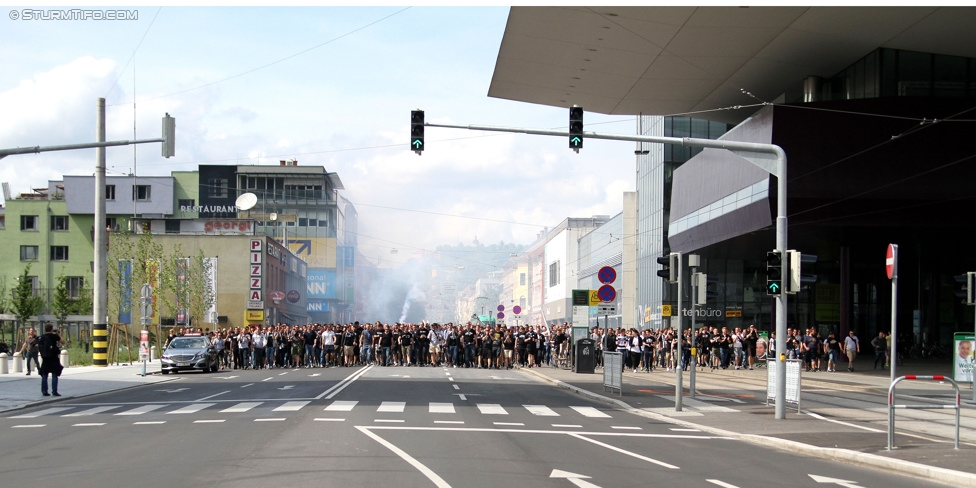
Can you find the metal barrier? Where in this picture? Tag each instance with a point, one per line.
(892, 406)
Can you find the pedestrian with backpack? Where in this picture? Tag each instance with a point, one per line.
(49, 347)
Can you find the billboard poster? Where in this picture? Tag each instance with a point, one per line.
(210, 268)
(962, 357)
(125, 291)
(321, 283)
(182, 291)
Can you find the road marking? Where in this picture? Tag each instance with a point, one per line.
(155, 422)
(196, 407)
(456, 387)
(141, 410)
(330, 420)
(685, 430)
(567, 426)
(834, 481)
(450, 379)
(174, 391)
(820, 417)
(624, 427)
(440, 408)
(574, 478)
(721, 483)
(314, 375)
(208, 421)
(211, 396)
(391, 407)
(286, 387)
(27, 426)
(226, 377)
(491, 409)
(331, 392)
(291, 407)
(341, 406)
(510, 424)
(279, 374)
(247, 385)
(432, 476)
(388, 420)
(622, 451)
(274, 419)
(241, 407)
(590, 412)
(267, 379)
(89, 425)
(541, 410)
(462, 397)
(39, 413)
(90, 411)
(448, 421)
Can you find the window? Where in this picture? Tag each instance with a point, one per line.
(302, 222)
(59, 253)
(28, 222)
(112, 223)
(28, 253)
(75, 285)
(522, 302)
(172, 226)
(185, 202)
(521, 279)
(217, 187)
(59, 222)
(554, 274)
(35, 285)
(313, 223)
(110, 192)
(141, 193)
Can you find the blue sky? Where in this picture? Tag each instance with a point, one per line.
(337, 93)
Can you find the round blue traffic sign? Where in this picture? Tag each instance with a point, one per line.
(607, 275)
(606, 293)
(501, 308)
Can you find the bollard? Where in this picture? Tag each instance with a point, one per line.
(153, 354)
(18, 363)
(64, 358)
(3, 363)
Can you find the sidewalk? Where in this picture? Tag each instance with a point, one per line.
(731, 403)
(17, 390)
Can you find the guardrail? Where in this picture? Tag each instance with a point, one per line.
(892, 406)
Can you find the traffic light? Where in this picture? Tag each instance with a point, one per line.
(169, 136)
(700, 281)
(417, 131)
(670, 267)
(774, 273)
(575, 127)
(966, 287)
(793, 261)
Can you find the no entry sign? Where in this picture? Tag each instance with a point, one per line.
(891, 261)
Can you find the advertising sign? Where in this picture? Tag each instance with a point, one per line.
(962, 357)
(321, 283)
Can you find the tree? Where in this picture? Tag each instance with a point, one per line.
(4, 304)
(62, 305)
(25, 304)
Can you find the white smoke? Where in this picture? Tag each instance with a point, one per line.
(414, 294)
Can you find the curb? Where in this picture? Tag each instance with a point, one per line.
(72, 397)
(856, 458)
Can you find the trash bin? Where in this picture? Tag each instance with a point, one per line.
(585, 356)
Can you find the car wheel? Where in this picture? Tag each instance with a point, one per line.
(164, 371)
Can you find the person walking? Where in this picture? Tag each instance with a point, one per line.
(852, 346)
(49, 349)
(29, 350)
(879, 343)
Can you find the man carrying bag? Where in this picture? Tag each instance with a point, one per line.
(49, 348)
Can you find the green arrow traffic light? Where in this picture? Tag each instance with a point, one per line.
(576, 142)
(773, 289)
(575, 127)
(417, 130)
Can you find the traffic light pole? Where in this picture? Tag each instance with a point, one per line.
(678, 381)
(769, 157)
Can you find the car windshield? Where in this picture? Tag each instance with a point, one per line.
(188, 343)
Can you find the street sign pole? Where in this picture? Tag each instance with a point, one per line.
(678, 386)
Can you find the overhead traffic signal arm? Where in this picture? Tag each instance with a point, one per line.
(417, 131)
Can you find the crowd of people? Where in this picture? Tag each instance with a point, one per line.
(497, 346)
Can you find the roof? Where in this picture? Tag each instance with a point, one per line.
(264, 169)
(671, 60)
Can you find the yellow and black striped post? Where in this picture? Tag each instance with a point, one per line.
(99, 344)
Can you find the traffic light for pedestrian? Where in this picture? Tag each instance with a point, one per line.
(575, 127)
(417, 131)
(774, 273)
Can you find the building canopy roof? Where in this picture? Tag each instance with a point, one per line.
(672, 60)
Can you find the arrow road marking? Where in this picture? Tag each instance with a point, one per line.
(287, 387)
(576, 479)
(844, 483)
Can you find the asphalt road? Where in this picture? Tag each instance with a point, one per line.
(402, 427)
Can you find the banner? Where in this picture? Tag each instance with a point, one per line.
(152, 277)
(962, 357)
(210, 273)
(125, 291)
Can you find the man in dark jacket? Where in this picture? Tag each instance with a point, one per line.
(49, 346)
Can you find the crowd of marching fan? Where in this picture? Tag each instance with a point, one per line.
(485, 346)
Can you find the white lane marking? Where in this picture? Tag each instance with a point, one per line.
(215, 421)
(462, 397)
(456, 387)
(624, 427)
(567, 426)
(27, 426)
(331, 392)
(721, 483)
(279, 374)
(275, 419)
(155, 422)
(141, 410)
(554, 432)
(448, 421)
(39, 413)
(247, 385)
(491, 409)
(590, 412)
(685, 430)
(226, 378)
(90, 411)
(450, 379)
(432, 476)
(391, 407)
(194, 408)
(329, 420)
(388, 420)
(440, 407)
(93, 424)
(241, 407)
(510, 424)
(291, 407)
(268, 379)
(341, 406)
(541, 410)
(211, 396)
(821, 417)
(622, 451)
